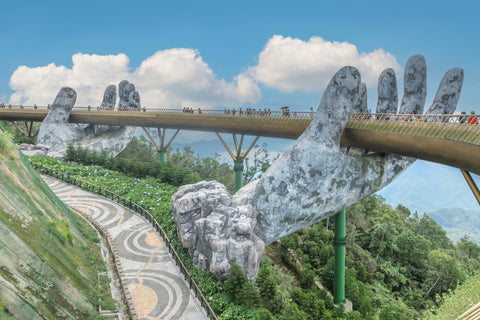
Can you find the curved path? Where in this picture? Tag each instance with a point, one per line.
(158, 290)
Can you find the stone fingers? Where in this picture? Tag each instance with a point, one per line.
(448, 92)
(61, 107)
(415, 86)
(387, 92)
(338, 102)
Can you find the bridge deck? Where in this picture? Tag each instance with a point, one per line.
(449, 140)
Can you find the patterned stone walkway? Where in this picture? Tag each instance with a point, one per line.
(157, 288)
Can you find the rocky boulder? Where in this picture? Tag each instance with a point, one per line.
(216, 234)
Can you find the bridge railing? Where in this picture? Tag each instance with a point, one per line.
(144, 213)
(198, 111)
(461, 127)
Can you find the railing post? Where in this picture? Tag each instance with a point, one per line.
(339, 241)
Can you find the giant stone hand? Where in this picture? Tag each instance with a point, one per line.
(56, 132)
(312, 180)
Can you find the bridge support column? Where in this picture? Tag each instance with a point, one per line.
(472, 185)
(238, 172)
(238, 157)
(339, 240)
(162, 156)
(161, 147)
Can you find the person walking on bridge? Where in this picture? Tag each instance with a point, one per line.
(473, 119)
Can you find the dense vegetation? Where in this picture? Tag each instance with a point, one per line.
(398, 263)
(140, 160)
(453, 304)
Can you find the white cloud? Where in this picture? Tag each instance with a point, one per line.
(290, 64)
(178, 77)
(89, 76)
(170, 78)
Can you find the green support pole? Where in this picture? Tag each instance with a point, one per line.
(238, 170)
(339, 240)
(162, 156)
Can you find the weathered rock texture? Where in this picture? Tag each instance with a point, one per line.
(387, 92)
(109, 98)
(129, 97)
(134, 100)
(55, 130)
(215, 233)
(415, 85)
(448, 92)
(361, 106)
(312, 180)
(123, 99)
(57, 133)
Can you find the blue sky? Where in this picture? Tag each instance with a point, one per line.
(218, 41)
(226, 39)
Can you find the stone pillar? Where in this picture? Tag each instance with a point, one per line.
(162, 156)
(339, 240)
(238, 171)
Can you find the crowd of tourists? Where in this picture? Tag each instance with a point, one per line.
(462, 117)
(414, 117)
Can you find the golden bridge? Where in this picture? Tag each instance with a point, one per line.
(453, 140)
(445, 139)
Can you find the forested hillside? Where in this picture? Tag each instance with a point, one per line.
(459, 222)
(50, 257)
(397, 262)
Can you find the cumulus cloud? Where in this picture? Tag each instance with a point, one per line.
(290, 64)
(178, 77)
(89, 76)
(170, 78)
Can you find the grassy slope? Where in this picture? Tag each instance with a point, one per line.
(42, 270)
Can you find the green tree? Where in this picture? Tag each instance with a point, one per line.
(444, 272)
(234, 283)
(266, 283)
(470, 249)
(309, 302)
(292, 312)
(70, 153)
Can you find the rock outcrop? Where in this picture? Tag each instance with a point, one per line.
(216, 234)
(312, 180)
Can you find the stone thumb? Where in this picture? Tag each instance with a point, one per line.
(335, 108)
(61, 107)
